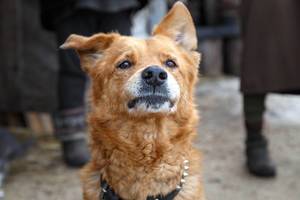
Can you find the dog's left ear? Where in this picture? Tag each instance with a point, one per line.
(89, 49)
(178, 25)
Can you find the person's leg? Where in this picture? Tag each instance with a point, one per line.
(69, 121)
(259, 162)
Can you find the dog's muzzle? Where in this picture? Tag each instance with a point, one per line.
(153, 90)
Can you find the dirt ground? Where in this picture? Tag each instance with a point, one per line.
(41, 174)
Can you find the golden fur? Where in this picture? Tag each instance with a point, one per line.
(141, 154)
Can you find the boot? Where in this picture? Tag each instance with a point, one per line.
(75, 152)
(258, 158)
(70, 129)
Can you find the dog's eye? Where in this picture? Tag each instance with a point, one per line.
(125, 64)
(170, 63)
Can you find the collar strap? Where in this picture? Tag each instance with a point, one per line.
(108, 193)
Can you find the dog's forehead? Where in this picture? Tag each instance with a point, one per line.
(130, 43)
(151, 45)
(157, 43)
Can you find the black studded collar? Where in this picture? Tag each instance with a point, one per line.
(107, 193)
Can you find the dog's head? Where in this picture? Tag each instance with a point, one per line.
(142, 76)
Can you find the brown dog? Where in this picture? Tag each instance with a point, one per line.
(143, 116)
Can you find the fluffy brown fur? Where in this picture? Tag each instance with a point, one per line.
(141, 154)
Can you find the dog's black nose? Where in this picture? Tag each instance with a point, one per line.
(154, 75)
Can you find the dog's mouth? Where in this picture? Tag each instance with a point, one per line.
(151, 103)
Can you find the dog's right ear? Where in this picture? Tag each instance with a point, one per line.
(89, 49)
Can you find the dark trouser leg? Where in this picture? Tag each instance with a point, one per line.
(70, 120)
(254, 108)
(258, 159)
(70, 125)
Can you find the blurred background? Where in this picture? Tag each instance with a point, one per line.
(42, 126)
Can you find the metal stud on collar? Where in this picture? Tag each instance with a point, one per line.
(185, 173)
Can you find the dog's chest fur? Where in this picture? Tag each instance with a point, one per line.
(139, 163)
(137, 182)
(147, 165)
